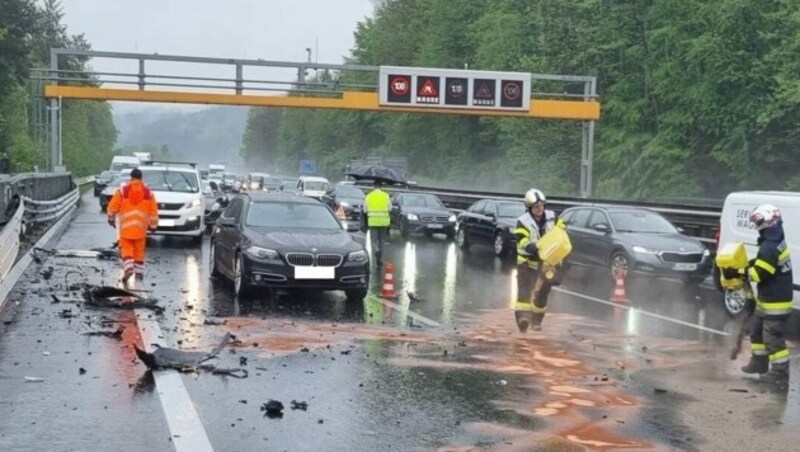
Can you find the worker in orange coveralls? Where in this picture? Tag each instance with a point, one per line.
(137, 209)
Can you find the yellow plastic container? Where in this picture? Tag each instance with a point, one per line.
(732, 255)
(554, 246)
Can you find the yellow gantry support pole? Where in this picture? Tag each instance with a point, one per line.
(540, 109)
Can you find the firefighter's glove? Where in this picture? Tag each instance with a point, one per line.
(532, 251)
(750, 305)
(731, 273)
(112, 223)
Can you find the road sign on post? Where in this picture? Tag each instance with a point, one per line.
(449, 88)
(308, 166)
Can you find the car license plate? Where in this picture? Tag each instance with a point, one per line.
(166, 223)
(685, 267)
(314, 272)
(435, 226)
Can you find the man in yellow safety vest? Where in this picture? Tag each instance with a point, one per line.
(376, 207)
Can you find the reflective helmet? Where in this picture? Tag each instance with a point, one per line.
(533, 196)
(765, 216)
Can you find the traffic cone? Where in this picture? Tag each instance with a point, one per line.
(387, 291)
(619, 295)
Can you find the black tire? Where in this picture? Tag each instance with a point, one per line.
(212, 261)
(461, 238)
(619, 261)
(240, 286)
(500, 245)
(356, 295)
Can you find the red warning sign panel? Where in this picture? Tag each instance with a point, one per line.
(399, 88)
(427, 90)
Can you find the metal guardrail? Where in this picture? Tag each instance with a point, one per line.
(42, 211)
(9, 242)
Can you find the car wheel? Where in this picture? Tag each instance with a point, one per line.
(356, 295)
(500, 246)
(461, 238)
(240, 286)
(212, 261)
(618, 262)
(734, 301)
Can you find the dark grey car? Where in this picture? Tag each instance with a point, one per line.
(635, 240)
(418, 212)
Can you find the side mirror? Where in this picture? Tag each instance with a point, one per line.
(601, 227)
(226, 221)
(492, 216)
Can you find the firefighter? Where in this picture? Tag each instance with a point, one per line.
(136, 207)
(771, 270)
(533, 279)
(377, 206)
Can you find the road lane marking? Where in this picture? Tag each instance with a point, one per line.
(186, 429)
(640, 311)
(407, 310)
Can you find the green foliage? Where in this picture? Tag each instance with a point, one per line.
(699, 98)
(28, 30)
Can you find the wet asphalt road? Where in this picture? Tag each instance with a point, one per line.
(447, 372)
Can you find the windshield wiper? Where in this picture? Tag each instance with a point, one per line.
(166, 183)
(188, 182)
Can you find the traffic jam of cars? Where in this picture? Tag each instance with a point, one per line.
(277, 232)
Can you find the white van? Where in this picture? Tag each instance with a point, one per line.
(121, 162)
(179, 196)
(313, 187)
(735, 226)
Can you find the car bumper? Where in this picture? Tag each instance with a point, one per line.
(263, 274)
(187, 222)
(419, 226)
(653, 265)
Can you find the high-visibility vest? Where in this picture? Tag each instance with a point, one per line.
(529, 231)
(377, 205)
(137, 209)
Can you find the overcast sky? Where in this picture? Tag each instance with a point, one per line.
(254, 29)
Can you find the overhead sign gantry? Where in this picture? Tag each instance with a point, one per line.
(393, 89)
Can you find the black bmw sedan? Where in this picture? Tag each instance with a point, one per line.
(265, 240)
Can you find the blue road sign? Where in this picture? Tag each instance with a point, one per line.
(308, 166)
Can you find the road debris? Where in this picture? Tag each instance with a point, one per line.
(214, 322)
(186, 361)
(295, 405)
(273, 409)
(114, 297)
(34, 380)
(415, 298)
(117, 334)
(96, 253)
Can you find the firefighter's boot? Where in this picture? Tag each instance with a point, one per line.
(536, 323)
(759, 364)
(524, 320)
(778, 374)
(125, 278)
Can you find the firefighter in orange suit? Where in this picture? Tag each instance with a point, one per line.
(136, 207)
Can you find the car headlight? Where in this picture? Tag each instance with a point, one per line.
(193, 203)
(412, 217)
(452, 219)
(258, 252)
(643, 250)
(706, 252)
(357, 257)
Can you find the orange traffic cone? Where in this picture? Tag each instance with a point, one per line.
(619, 295)
(387, 291)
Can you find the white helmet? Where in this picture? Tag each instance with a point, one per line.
(765, 216)
(533, 196)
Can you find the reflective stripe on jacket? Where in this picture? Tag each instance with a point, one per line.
(529, 231)
(136, 207)
(377, 205)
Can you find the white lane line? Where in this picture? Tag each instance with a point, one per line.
(404, 310)
(640, 311)
(186, 430)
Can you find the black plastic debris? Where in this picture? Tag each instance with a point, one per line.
(214, 322)
(117, 334)
(81, 371)
(242, 361)
(414, 298)
(272, 409)
(47, 273)
(299, 405)
(66, 314)
(114, 297)
(188, 361)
